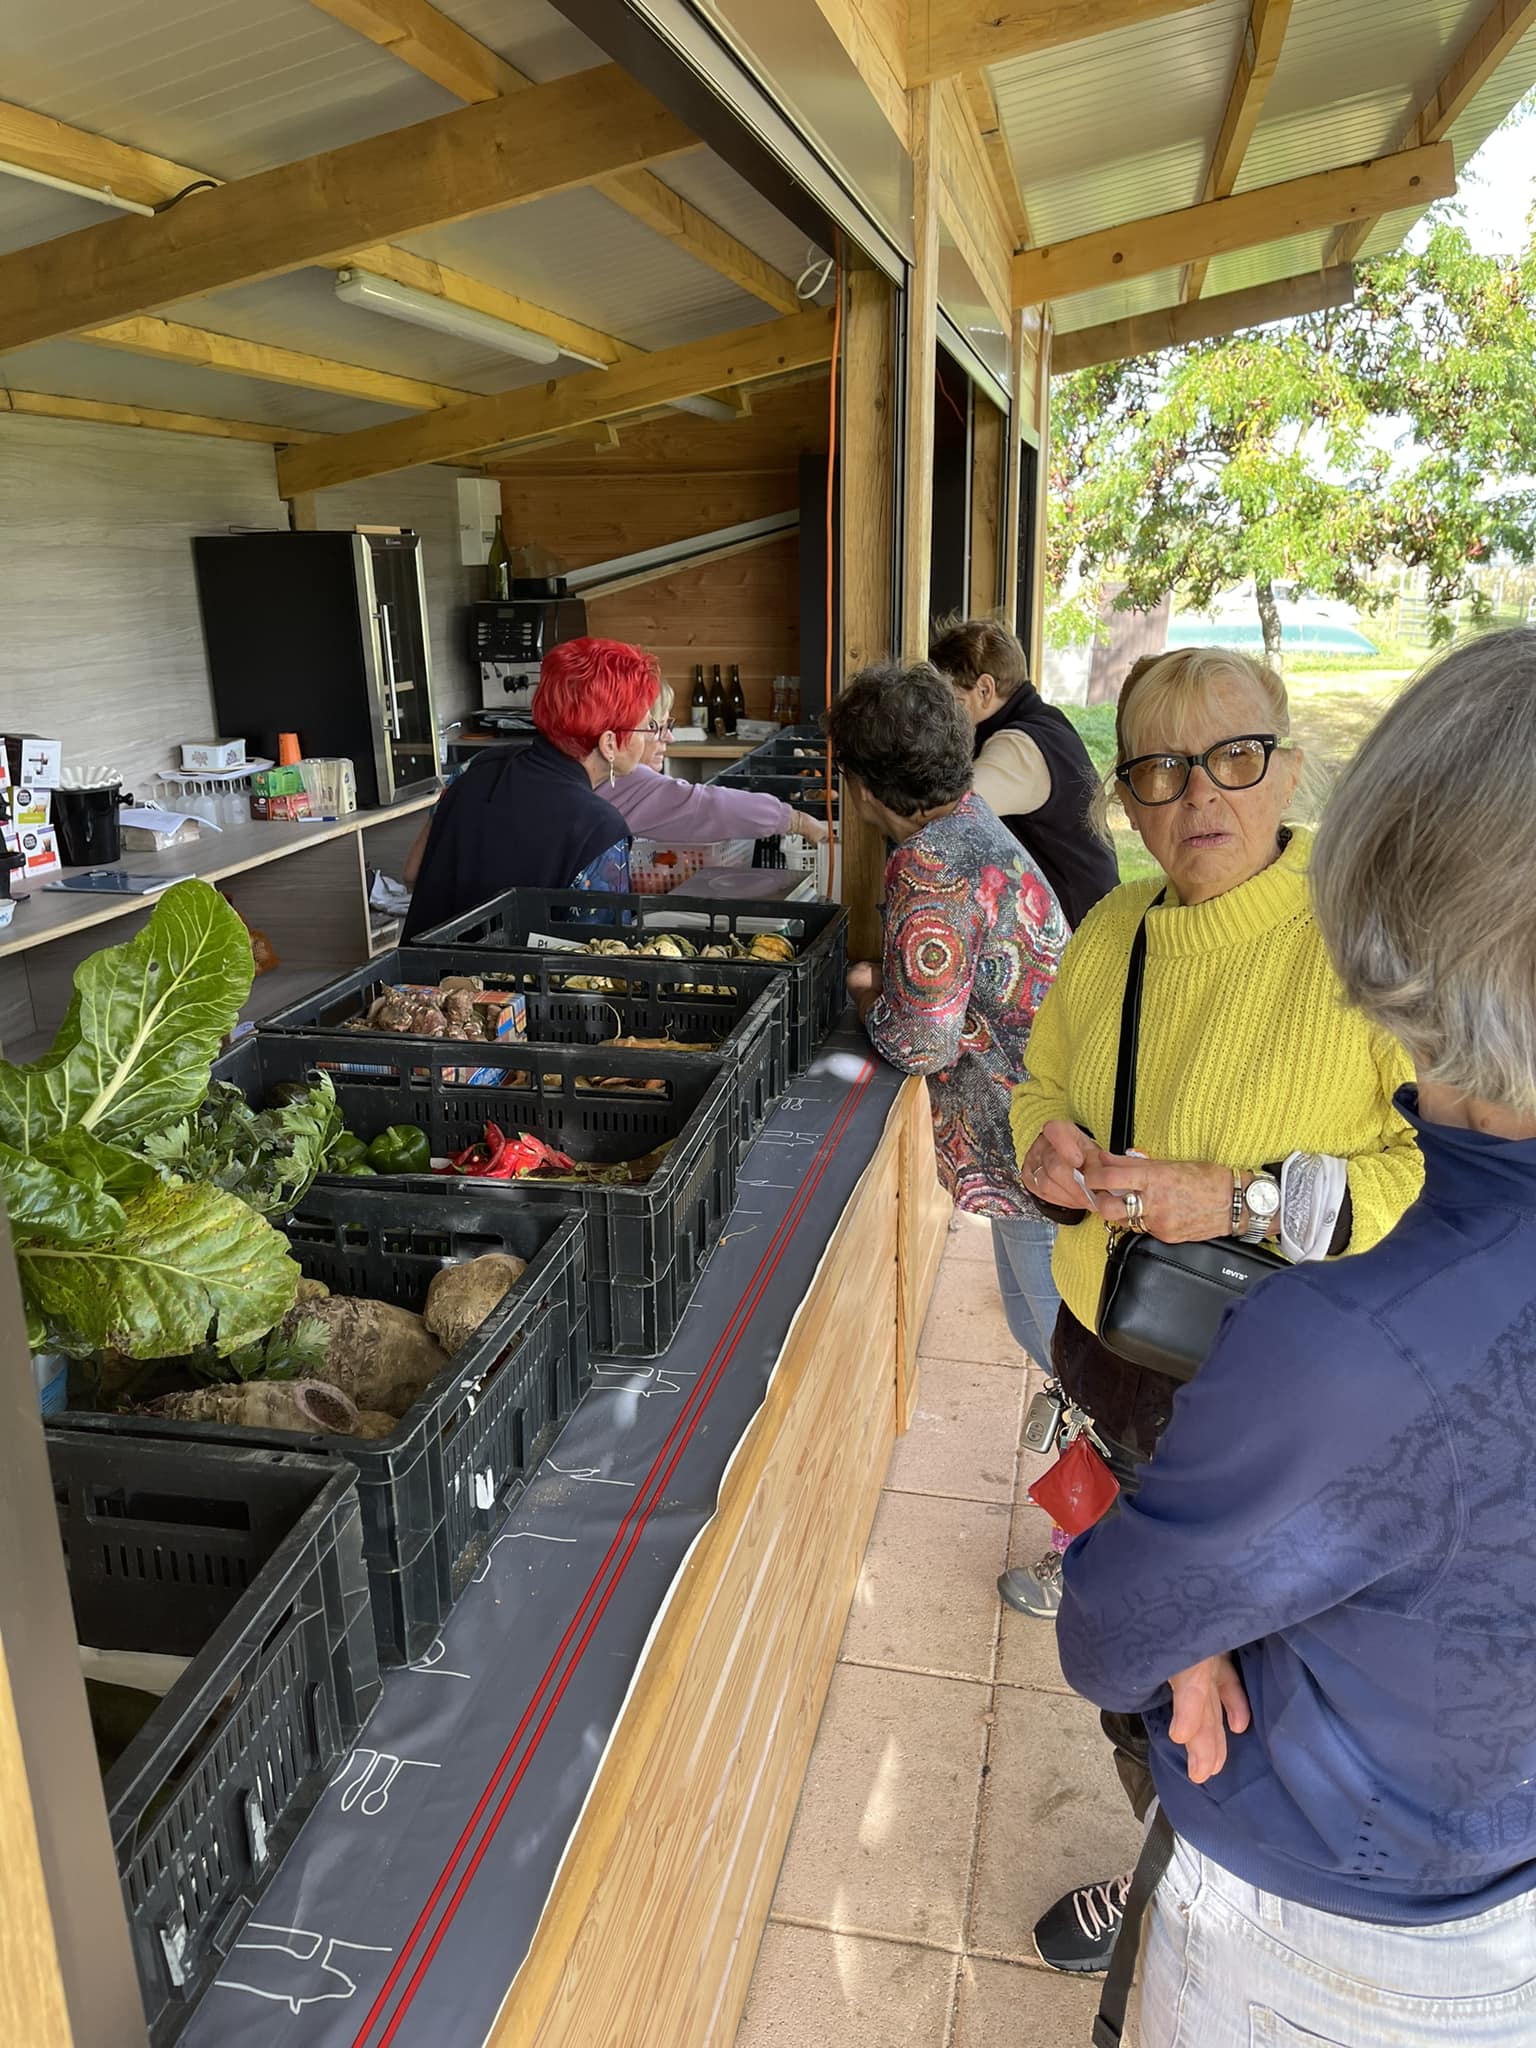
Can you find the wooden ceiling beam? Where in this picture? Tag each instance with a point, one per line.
(1273, 213)
(1505, 24)
(1117, 341)
(170, 342)
(1256, 61)
(947, 36)
(423, 37)
(42, 144)
(510, 417)
(45, 405)
(983, 105)
(475, 160)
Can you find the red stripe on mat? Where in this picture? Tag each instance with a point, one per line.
(639, 1513)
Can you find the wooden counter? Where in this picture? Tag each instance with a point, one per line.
(305, 885)
(652, 1930)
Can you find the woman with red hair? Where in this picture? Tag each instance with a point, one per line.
(536, 817)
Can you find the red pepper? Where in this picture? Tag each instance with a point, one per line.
(498, 1157)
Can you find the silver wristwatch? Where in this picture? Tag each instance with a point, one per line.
(1261, 1199)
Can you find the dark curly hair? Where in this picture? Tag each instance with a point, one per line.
(899, 729)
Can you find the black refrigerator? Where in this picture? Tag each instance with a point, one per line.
(324, 635)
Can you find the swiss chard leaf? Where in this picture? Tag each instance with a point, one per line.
(189, 1268)
(133, 1053)
(47, 1202)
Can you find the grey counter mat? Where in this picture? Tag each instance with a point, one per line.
(413, 1891)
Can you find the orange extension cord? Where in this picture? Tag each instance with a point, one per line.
(832, 394)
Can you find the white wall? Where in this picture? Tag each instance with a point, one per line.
(100, 641)
(101, 644)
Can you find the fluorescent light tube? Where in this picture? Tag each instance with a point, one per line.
(706, 408)
(421, 309)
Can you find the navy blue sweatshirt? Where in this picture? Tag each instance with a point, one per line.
(1346, 1500)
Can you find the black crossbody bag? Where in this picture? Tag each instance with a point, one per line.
(1161, 1303)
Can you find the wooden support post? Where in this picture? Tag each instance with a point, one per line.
(866, 548)
(1023, 358)
(1036, 648)
(922, 368)
(66, 1968)
(988, 433)
(303, 512)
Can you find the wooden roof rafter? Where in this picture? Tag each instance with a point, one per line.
(423, 37)
(949, 36)
(1263, 36)
(1505, 24)
(507, 418)
(1116, 341)
(328, 209)
(1218, 227)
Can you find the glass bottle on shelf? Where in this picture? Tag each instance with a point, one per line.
(736, 708)
(780, 701)
(698, 705)
(716, 704)
(498, 565)
(792, 690)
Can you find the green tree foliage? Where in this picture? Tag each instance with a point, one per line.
(1399, 429)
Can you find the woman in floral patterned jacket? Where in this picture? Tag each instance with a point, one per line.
(972, 937)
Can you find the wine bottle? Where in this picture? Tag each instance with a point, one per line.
(698, 706)
(737, 709)
(717, 703)
(499, 564)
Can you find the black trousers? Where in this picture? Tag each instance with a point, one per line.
(1128, 1732)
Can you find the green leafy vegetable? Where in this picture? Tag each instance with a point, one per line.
(190, 1267)
(298, 1353)
(119, 1251)
(268, 1157)
(147, 1020)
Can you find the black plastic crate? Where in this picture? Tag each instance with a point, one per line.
(740, 1007)
(817, 976)
(646, 1244)
(792, 766)
(436, 1490)
(250, 1563)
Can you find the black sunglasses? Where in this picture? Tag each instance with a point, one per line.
(1239, 763)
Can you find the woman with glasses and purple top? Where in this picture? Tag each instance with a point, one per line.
(1264, 1103)
(655, 805)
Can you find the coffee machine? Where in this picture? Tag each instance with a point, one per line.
(509, 638)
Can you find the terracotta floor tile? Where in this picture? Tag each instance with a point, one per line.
(1004, 2005)
(812, 1989)
(961, 1441)
(1053, 1816)
(926, 1598)
(970, 1237)
(966, 1320)
(882, 1841)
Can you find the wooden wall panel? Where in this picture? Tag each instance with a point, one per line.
(651, 1933)
(988, 434)
(744, 610)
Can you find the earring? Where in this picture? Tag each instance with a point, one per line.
(612, 775)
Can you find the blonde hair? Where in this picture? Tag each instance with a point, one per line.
(1160, 685)
(1421, 874)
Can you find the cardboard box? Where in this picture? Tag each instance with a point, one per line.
(286, 781)
(40, 848)
(34, 763)
(214, 754)
(22, 806)
(286, 806)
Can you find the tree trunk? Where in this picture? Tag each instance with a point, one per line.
(1269, 618)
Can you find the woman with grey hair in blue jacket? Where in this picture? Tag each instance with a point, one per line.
(1323, 1597)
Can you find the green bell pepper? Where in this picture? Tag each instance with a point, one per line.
(357, 1169)
(401, 1149)
(348, 1149)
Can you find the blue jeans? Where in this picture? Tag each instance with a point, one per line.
(1022, 1247)
(1227, 1966)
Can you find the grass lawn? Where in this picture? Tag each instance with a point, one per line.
(1334, 704)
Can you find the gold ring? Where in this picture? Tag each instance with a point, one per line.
(1133, 1207)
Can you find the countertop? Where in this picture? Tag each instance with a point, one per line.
(53, 913)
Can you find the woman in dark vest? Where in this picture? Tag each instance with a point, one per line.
(536, 817)
(1031, 766)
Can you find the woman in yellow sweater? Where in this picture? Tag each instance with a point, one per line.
(1263, 1101)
